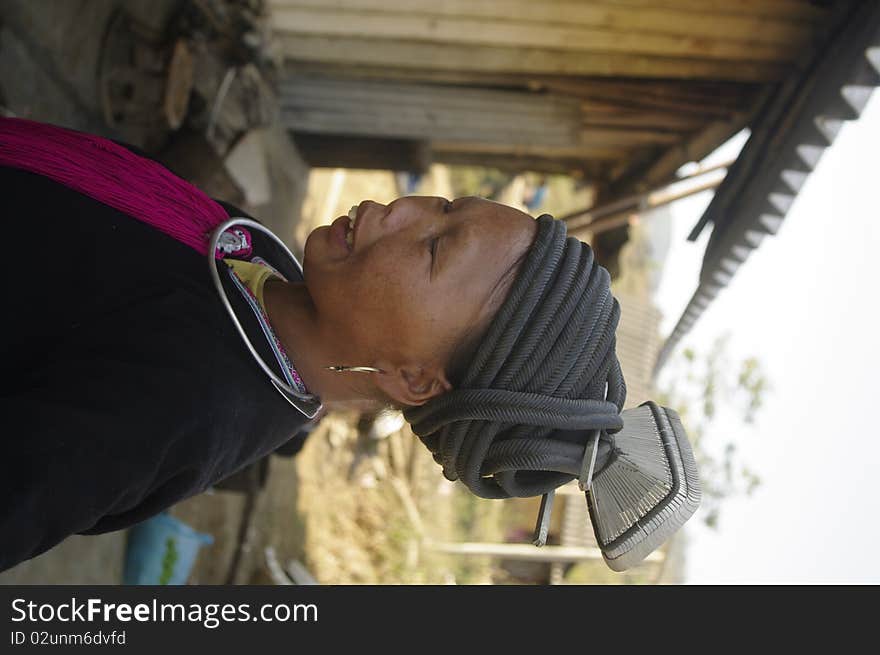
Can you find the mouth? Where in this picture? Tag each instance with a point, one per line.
(343, 229)
(352, 221)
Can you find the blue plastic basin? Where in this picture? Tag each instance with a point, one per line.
(162, 550)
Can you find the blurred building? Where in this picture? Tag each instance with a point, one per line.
(620, 94)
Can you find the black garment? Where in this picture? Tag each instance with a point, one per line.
(125, 387)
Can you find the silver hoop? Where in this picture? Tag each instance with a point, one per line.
(307, 404)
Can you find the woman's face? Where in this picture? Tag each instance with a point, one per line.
(422, 273)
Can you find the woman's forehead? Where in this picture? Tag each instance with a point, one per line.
(496, 239)
(490, 252)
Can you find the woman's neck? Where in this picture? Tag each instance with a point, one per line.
(311, 345)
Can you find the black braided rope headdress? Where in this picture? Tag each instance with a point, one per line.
(538, 380)
(544, 384)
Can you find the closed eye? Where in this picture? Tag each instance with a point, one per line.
(432, 247)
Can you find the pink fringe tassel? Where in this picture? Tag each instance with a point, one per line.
(113, 175)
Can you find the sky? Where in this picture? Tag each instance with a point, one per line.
(806, 305)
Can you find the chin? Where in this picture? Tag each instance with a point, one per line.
(314, 261)
(308, 255)
(312, 241)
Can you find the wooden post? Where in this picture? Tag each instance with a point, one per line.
(527, 552)
(606, 218)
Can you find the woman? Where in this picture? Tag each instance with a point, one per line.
(152, 347)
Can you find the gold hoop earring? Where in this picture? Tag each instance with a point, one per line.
(354, 369)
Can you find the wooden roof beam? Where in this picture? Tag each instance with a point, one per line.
(758, 24)
(358, 50)
(646, 175)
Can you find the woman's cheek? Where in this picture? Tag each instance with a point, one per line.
(397, 266)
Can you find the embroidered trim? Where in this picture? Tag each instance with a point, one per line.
(256, 259)
(235, 241)
(287, 369)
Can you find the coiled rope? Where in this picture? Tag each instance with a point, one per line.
(543, 377)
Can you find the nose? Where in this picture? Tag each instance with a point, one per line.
(403, 212)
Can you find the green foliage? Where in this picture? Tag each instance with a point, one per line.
(754, 383)
(168, 561)
(476, 520)
(699, 384)
(477, 181)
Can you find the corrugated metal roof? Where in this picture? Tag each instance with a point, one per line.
(787, 141)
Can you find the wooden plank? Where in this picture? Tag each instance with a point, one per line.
(438, 113)
(787, 10)
(455, 113)
(793, 10)
(611, 115)
(499, 32)
(320, 122)
(680, 125)
(674, 90)
(619, 112)
(527, 552)
(395, 73)
(448, 126)
(617, 91)
(298, 91)
(333, 106)
(731, 94)
(576, 166)
(705, 109)
(637, 96)
(751, 27)
(600, 223)
(625, 138)
(572, 151)
(425, 119)
(345, 51)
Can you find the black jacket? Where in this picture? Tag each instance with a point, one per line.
(124, 387)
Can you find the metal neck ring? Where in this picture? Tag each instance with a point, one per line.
(307, 404)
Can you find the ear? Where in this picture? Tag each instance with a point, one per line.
(412, 385)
